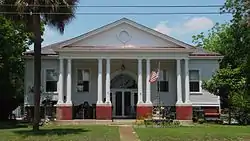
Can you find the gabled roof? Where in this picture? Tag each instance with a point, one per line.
(50, 49)
(129, 22)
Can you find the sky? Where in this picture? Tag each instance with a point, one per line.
(181, 27)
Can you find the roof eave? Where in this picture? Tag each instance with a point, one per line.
(124, 50)
(206, 56)
(44, 56)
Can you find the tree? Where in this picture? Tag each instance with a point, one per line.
(230, 85)
(241, 25)
(33, 14)
(13, 42)
(232, 40)
(222, 39)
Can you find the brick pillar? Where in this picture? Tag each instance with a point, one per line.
(143, 111)
(184, 112)
(104, 112)
(64, 112)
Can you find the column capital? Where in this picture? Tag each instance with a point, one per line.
(139, 59)
(69, 59)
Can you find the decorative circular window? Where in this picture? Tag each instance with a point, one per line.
(124, 36)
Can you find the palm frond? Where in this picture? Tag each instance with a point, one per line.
(58, 6)
(41, 6)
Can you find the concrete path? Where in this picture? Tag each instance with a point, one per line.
(127, 133)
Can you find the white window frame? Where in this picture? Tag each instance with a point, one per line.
(159, 80)
(76, 79)
(200, 81)
(45, 79)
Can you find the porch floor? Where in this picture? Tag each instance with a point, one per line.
(94, 121)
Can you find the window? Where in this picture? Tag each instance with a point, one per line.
(163, 81)
(51, 80)
(83, 78)
(194, 80)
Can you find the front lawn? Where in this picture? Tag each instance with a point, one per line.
(195, 133)
(62, 133)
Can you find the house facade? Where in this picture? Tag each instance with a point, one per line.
(109, 68)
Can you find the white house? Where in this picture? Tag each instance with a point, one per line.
(110, 69)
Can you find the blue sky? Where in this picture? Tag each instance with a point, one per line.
(181, 27)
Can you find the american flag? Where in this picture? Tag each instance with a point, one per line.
(154, 76)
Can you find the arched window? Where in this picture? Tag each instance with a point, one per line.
(123, 81)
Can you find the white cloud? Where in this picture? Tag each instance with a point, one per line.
(189, 25)
(198, 23)
(163, 28)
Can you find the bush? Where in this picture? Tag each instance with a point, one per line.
(198, 116)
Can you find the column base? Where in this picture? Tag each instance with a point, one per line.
(64, 112)
(184, 112)
(144, 111)
(104, 112)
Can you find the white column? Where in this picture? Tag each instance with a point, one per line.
(178, 73)
(108, 82)
(139, 81)
(187, 91)
(60, 83)
(99, 81)
(69, 101)
(148, 85)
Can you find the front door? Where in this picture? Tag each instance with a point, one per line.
(123, 103)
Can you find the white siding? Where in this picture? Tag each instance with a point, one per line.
(207, 67)
(29, 77)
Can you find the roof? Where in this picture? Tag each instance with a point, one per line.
(51, 49)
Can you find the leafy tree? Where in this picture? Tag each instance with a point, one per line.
(13, 42)
(241, 25)
(231, 40)
(220, 39)
(230, 85)
(33, 14)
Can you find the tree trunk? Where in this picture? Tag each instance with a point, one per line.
(37, 69)
(229, 115)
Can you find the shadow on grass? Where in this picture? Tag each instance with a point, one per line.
(12, 125)
(47, 132)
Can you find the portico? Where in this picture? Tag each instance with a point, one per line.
(113, 101)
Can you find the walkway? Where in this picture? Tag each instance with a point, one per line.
(127, 133)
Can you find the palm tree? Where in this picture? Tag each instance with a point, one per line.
(34, 13)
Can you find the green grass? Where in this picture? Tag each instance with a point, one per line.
(61, 133)
(195, 133)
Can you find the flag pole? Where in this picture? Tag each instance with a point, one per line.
(159, 87)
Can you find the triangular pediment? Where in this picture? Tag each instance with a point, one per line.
(124, 33)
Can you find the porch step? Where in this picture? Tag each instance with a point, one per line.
(123, 122)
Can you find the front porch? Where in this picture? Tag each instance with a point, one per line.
(127, 93)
